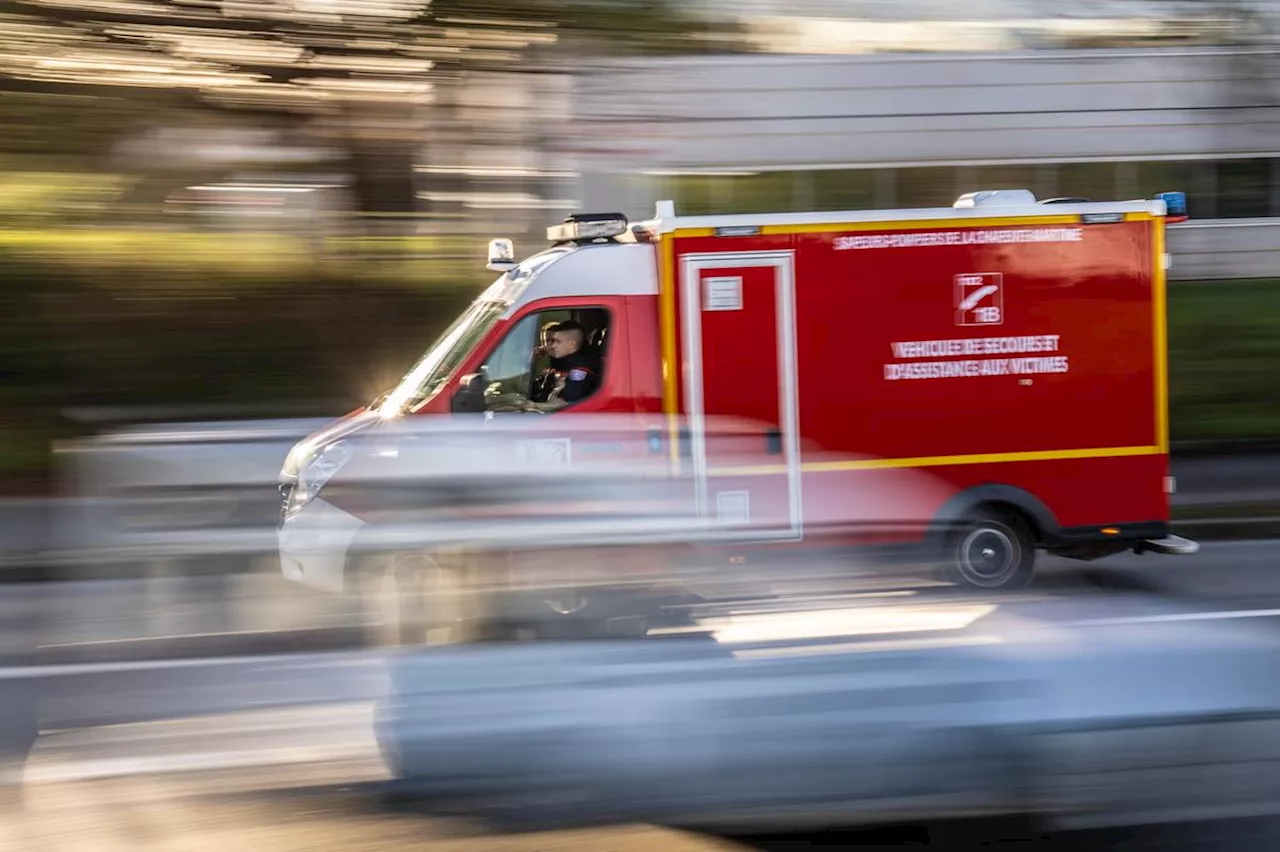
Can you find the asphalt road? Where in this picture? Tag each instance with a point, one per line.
(1227, 574)
(1237, 579)
(219, 812)
(276, 753)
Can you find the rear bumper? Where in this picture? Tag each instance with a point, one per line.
(1093, 542)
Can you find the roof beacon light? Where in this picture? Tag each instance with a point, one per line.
(1175, 205)
(995, 198)
(502, 255)
(589, 226)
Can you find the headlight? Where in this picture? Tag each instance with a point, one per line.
(297, 457)
(319, 471)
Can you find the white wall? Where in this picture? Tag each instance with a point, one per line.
(777, 111)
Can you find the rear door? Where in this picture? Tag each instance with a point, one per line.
(738, 318)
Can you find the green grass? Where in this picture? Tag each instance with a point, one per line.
(1224, 357)
(158, 264)
(107, 253)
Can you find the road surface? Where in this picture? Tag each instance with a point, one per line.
(1226, 577)
(277, 754)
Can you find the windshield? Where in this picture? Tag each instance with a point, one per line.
(459, 339)
(443, 357)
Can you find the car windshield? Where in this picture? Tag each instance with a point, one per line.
(459, 339)
(443, 357)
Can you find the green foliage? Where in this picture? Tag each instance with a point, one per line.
(52, 124)
(130, 317)
(1224, 359)
(124, 318)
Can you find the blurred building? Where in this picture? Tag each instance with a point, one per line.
(758, 133)
(493, 158)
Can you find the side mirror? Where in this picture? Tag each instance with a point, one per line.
(469, 397)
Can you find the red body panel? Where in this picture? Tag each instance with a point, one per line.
(644, 336)
(1063, 365)
(1094, 295)
(1028, 362)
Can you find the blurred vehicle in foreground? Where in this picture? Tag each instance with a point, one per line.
(1075, 713)
(465, 527)
(980, 342)
(551, 526)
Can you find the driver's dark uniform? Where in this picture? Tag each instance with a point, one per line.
(571, 379)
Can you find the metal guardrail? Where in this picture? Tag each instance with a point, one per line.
(1225, 249)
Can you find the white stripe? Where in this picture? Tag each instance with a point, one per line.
(83, 770)
(12, 672)
(1183, 616)
(866, 647)
(782, 262)
(174, 637)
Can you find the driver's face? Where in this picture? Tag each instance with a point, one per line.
(561, 344)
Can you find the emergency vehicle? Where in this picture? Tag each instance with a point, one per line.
(1012, 348)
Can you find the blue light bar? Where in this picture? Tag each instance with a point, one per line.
(1175, 203)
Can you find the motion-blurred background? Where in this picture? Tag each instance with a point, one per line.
(252, 210)
(219, 208)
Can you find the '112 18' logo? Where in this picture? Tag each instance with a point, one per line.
(980, 299)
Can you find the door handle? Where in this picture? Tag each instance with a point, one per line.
(773, 442)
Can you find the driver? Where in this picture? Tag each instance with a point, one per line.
(572, 375)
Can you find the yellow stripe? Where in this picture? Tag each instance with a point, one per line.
(941, 461)
(997, 222)
(911, 224)
(667, 319)
(1158, 286)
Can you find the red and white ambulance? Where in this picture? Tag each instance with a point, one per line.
(1013, 349)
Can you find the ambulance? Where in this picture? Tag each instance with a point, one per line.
(1012, 349)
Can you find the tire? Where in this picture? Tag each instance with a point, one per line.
(408, 600)
(991, 551)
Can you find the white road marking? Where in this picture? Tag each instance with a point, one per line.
(751, 627)
(176, 637)
(867, 647)
(14, 672)
(1182, 616)
(836, 623)
(86, 770)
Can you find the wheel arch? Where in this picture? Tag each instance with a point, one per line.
(1020, 503)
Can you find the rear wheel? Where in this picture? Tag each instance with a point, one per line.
(991, 551)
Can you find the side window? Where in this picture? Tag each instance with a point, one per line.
(508, 366)
(549, 360)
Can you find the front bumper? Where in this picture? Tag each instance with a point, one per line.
(314, 545)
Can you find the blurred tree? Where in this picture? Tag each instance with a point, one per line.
(359, 74)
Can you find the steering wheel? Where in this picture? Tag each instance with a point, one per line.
(511, 403)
